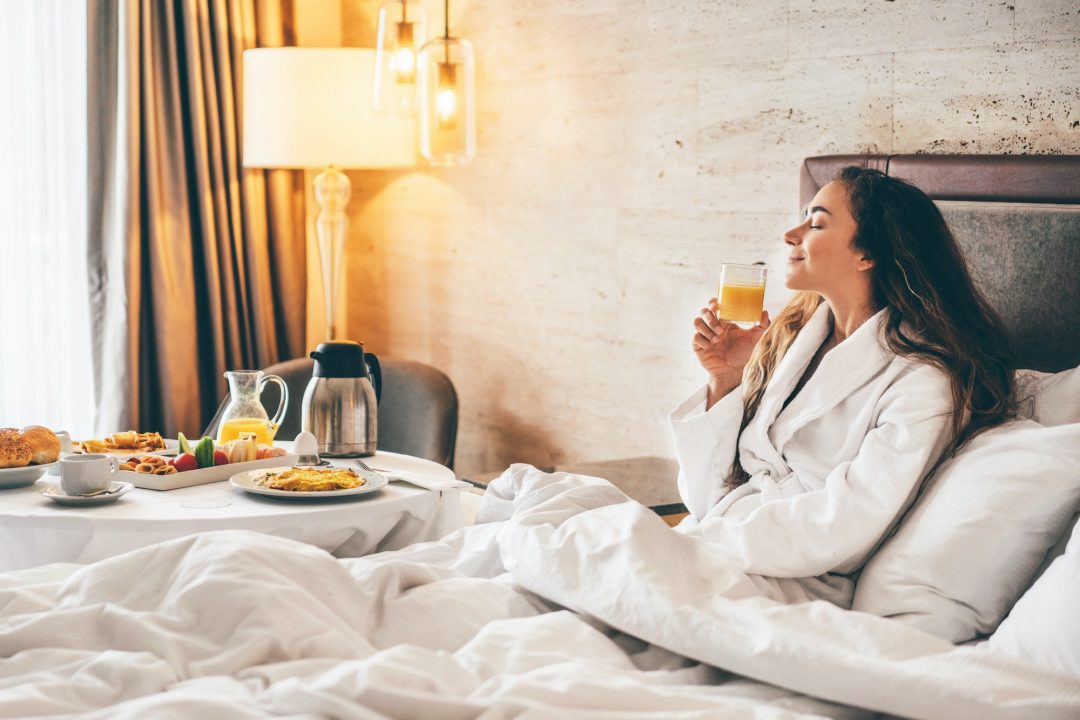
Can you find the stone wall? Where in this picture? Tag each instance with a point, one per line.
(626, 147)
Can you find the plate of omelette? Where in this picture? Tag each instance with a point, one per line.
(305, 482)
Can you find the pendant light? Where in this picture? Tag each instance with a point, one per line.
(401, 33)
(447, 96)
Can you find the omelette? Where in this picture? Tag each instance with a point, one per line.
(312, 479)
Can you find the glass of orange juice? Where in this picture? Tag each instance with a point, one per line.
(741, 294)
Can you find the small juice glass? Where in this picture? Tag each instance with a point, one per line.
(741, 295)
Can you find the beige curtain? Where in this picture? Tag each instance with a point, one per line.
(197, 266)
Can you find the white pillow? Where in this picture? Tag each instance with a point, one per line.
(1044, 626)
(1058, 548)
(1049, 398)
(978, 531)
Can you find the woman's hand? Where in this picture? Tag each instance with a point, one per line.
(723, 349)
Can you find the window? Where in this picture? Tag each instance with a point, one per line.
(45, 358)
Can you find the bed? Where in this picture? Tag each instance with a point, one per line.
(566, 599)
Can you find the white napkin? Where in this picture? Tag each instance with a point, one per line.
(426, 483)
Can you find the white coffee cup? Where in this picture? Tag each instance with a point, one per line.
(85, 474)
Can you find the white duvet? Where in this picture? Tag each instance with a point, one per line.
(570, 602)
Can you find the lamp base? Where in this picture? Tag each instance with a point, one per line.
(332, 191)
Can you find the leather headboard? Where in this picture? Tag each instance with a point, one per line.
(1051, 179)
(1017, 218)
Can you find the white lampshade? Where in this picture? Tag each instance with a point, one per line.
(311, 108)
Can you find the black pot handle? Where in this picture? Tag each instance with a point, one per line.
(376, 374)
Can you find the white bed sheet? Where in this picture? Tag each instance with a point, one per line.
(245, 625)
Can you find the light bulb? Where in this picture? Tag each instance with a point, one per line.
(446, 105)
(403, 63)
(446, 100)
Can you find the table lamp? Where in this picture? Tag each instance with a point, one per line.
(311, 108)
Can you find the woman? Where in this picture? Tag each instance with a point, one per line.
(815, 432)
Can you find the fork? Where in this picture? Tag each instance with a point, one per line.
(369, 472)
(364, 466)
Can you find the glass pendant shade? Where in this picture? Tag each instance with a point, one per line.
(401, 34)
(447, 96)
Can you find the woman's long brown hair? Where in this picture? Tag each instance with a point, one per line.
(933, 311)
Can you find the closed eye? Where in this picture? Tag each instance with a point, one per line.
(815, 227)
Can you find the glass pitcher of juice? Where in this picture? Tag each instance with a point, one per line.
(245, 412)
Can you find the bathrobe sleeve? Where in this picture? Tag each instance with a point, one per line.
(705, 447)
(835, 528)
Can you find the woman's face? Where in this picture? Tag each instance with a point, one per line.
(821, 255)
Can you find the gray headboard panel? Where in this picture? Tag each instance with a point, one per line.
(1017, 219)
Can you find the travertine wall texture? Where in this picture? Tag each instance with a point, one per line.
(626, 148)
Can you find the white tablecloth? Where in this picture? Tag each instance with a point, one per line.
(35, 531)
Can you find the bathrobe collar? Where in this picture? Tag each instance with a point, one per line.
(847, 366)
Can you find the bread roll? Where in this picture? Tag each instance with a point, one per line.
(43, 444)
(14, 451)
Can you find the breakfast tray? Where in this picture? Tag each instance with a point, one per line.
(200, 477)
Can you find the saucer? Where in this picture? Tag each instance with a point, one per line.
(57, 495)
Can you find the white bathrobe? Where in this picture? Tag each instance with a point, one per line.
(831, 473)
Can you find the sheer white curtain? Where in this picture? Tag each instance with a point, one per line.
(45, 361)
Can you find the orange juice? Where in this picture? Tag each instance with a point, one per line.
(741, 303)
(231, 429)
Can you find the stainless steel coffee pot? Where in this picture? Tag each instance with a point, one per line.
(340, 406)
